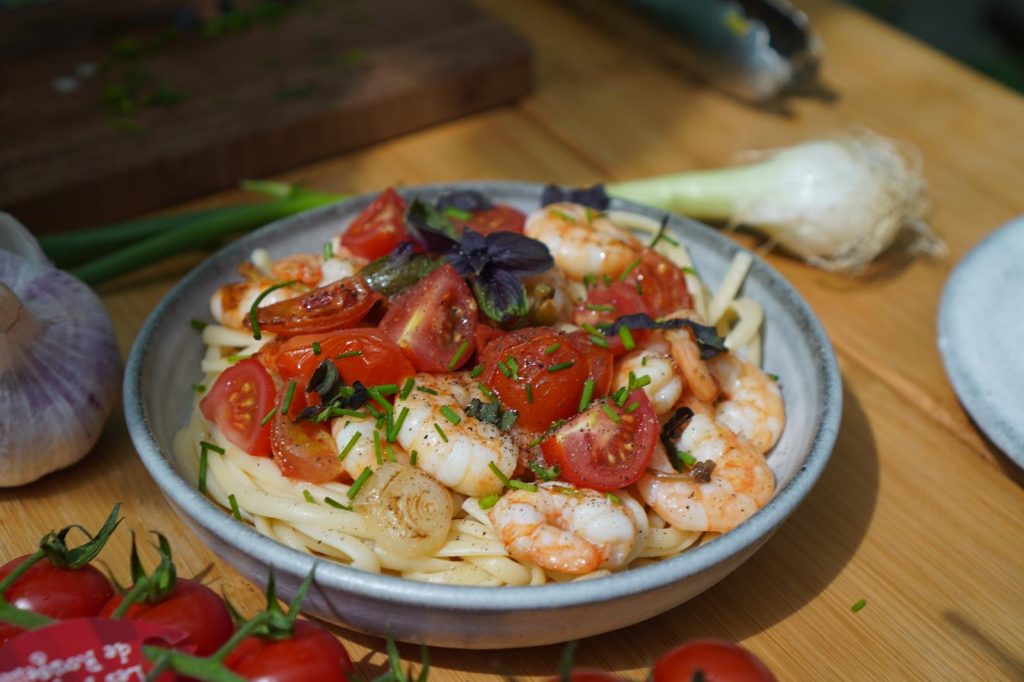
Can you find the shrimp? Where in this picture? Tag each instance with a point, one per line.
(570, 530)
(582, 241)
(456, 449)
(361, 450)
(230, 304)
(654, 361)
(686, 353)
(752, 405)
(302, 267)
(739, 484)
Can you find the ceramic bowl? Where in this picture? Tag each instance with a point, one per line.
(164, 362)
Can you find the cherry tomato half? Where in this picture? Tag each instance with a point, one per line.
(338, 305)
(545, 379)
(434, 321)
(303, 450)
(242, 395)
(717, 660)
(605, 304)
(501, 218)
(662, 283)
(55, 592)
(191, 607)
(366, 356)
(379, 228)
(604, 452)
(310, 654)
(599, 362)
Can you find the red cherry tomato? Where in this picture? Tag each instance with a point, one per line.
(379, 228)
(485, 333)
(605, 304)
(545, 361)
(662, 283)
(55, 592)
(303, 450)
(594, 450)
(338, 305)
(717, 660)
(501, 218)
(191, 607)
(434, 321)
(587, 675)
(310, 654)
(599, 362)
(368, 357)
(242, 395)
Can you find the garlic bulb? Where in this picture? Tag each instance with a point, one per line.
(60, 369)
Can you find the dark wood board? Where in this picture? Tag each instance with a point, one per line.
(320, 78)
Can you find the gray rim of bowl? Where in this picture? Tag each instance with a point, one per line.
(458, 598)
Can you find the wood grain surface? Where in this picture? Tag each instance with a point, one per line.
(916, 513)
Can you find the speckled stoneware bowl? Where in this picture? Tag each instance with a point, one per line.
(157, 396)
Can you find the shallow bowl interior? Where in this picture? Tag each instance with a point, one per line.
(164, 362)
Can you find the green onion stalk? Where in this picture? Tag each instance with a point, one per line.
(837, 203)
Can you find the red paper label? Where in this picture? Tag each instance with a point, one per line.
(85, 650)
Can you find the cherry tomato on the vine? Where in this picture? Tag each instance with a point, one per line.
(716, 660)
(309, 655)
(56, 592)
(242, 395)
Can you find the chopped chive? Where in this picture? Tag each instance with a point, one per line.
(611, 413)
(643, 361)
(457, 213)
(589, 280)
(601, 308)
(386, 389)
(632, 407)
(331, 502)
(686, 458)
(374, 412)
(390, 453)
(861, 603)
(407, 388)
(198, 388)
(199, 325)
(349, 445)
(591, 329)
(621, 396)
(690, 271)
(588, 393)
(440, 432)
(235, 511)
(212, 447)
(614, 498)
(504, 369)
(560, 366)
(286, 405)
(487, 392)
(237, 356)
(629, 269)
(497, 472)
(489, 501)
(412, 457)
(426, 389)
(398, 424)
(535, 442)
(639, 288)
(562, 214)
(316, 348)
(774, 377)
(449, 414)
(454, 362)
(661, 232)
(627, 338)
(253, 316)
(552, 348)
(358, 483)
(598, 341)
(376, 447)
(309, 497)
(670, 240)
(379, 399)
(640, 381)
(345, 412)
(268, 416)
(513, 365)
(521, 485)
(328, 250)
(477, 371)
(529, 393)
(203, 455)
(348, 354)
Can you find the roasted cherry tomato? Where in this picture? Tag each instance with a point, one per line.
(605, 447)
(588, 675)
(662, 284)
(338, 305)
(56, 592)
(310, 654)
(191, 607)
(545, 379)
(605, 304)
(599, 361)
(485, 333)
(362, 355)
(501, 218)
(303, 450)
(715, 661)
(242, 395)
(434, 321)
(379, 228)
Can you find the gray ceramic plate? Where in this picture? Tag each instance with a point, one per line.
(981, 327)
(165, 360)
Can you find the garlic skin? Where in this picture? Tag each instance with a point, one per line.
(60, 369)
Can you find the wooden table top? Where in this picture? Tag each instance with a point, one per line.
(916, 513)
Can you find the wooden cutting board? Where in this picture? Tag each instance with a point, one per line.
(119, 107)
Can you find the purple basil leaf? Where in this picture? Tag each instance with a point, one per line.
(463, 200)
(516, 253)
(500, 295)
(594, 197)
(429, 228)
(708, 340)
